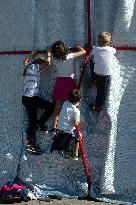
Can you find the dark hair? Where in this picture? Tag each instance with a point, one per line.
(74, 96)
(59, 51)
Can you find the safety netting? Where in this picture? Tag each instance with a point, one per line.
(109, 137)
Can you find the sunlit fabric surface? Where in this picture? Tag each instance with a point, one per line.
(109, 137)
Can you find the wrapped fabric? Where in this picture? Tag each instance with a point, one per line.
(109, 138)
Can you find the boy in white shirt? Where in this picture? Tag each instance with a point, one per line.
(103, 55)
(69, 118)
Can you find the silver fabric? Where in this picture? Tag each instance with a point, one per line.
(109, 137)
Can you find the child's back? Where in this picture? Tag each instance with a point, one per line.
(65, 68)
(68, 114)
(103, 58)
(31, 80)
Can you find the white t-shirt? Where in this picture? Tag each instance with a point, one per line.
(103, 59)
(69, 113)
(65, 68)
(31, 80)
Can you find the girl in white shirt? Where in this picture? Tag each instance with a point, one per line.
(103, 55)
(65, 82)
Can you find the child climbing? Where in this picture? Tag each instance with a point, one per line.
(31, 100)
(65, 82)
(69, 118)
(103, 55)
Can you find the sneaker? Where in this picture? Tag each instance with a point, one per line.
(34, 149)
(94, 108)
(75, 157)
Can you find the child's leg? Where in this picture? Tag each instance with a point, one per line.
(76, 148)
(101, 90)
(93, 74)
(57, 142)
(107, 87)
(58, 106)
(67, 139)
(32, 118)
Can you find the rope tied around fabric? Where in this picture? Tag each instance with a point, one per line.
(81, 147)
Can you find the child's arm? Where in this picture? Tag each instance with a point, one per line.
(76, 117)
(81, 51)
(26, 61)
(49, 56)
(76, 123)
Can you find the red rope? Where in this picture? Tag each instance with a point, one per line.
(19, 52)
(84, 159)
(89, 27)
(23, 52)
(89, 47)
(125, 48)
(78, 87)
(82, 72)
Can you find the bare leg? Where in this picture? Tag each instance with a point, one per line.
(76, 148)
(58, 106)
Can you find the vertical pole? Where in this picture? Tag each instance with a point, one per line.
(89, 45)
(78, 87)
